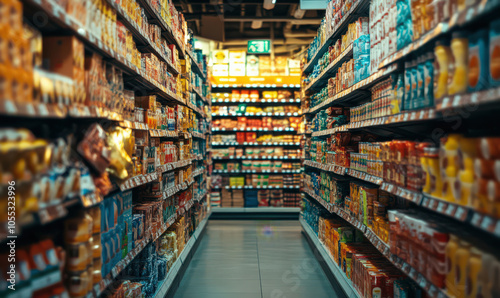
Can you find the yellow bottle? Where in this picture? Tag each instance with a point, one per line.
(425, 166)
(443, 56)
(449, 165)
(460, 50)
(461, 265)
(466, 176)
(451, 252)
(436, 182)
(473, 273)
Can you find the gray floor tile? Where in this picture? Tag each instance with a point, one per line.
(252, 258)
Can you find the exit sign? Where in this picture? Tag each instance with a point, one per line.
(259, 46)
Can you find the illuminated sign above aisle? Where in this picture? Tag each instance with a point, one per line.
(259, 46)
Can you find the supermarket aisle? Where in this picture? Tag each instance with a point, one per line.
(247, 259)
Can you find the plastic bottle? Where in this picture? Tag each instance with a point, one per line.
(485, 277)
(473, 272)
(400, 91)
(451, 256)
(449, 164)
(443, 55)
(466, 176)
(461, 266)
(428, 96)
(434, 170)
(460, 50)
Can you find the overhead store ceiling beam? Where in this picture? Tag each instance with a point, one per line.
(308, 21)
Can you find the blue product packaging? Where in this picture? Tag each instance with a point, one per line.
(428, 98)
(478, 61)
(420, 84)
(414, 86)
(407, 86)
(494, 54)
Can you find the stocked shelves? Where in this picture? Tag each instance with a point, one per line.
(383, 248)
(182, 260)
(139, 34)
(339, 170)
(260, 187)
(446, 208)
(253, 100)
(198, 198)
(339, 275)
(167, 32)
(256, 144)
(459, 19)
(106, 281)
(196, 109)
(281, 114)
(56, 13)
(256, 171)
(330, 69)
(198, 69)
(355, 92)
(265, 129)
(250, 86)
(134, 125)
(350, 16)
(199, 94)
(198, 172)
(329, 131)
(244, 157)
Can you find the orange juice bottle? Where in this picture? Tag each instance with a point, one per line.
(451, 254)
(460, 50)
(461, 265)
(436, 182)
(449, 165)
(473, 273)
(468, 149)
(443, 55)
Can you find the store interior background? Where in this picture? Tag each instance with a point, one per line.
(230, 148)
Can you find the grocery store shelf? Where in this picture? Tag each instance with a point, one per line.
(384, 249)
(198, 172)
(138, 33)
(355, 93)
(198, 135)
(167, 287)
(469, 101)
(459, 19)
(229, 158)
(330, 131)
(264, 129)
(356, 10)
(334, 273)
(282, 114)
(167, 32)
(199, 95)
(163, 133)
(260, 187)
(323, 77)
(57, 14)
(256, 144)
(106, 281)
(197, 67)
(339, 170)
(134, 125)
(256, 209)
(143, 179)
(256, 171)
(253, 86)
(196, 109)
(255, 101)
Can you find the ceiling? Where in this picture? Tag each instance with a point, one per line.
(233, 22)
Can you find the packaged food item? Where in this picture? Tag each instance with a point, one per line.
(458, 66)
(494, 53)
(478, 61)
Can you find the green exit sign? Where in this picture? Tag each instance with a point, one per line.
(259, 46)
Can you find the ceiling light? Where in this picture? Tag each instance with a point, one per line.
(269, 4)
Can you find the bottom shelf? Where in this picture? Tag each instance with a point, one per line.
(337, 273)
(182, 260)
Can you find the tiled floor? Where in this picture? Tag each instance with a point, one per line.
(250, 259)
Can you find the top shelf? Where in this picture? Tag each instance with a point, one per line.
(356, 10)
(166, 31)
(459, 19)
